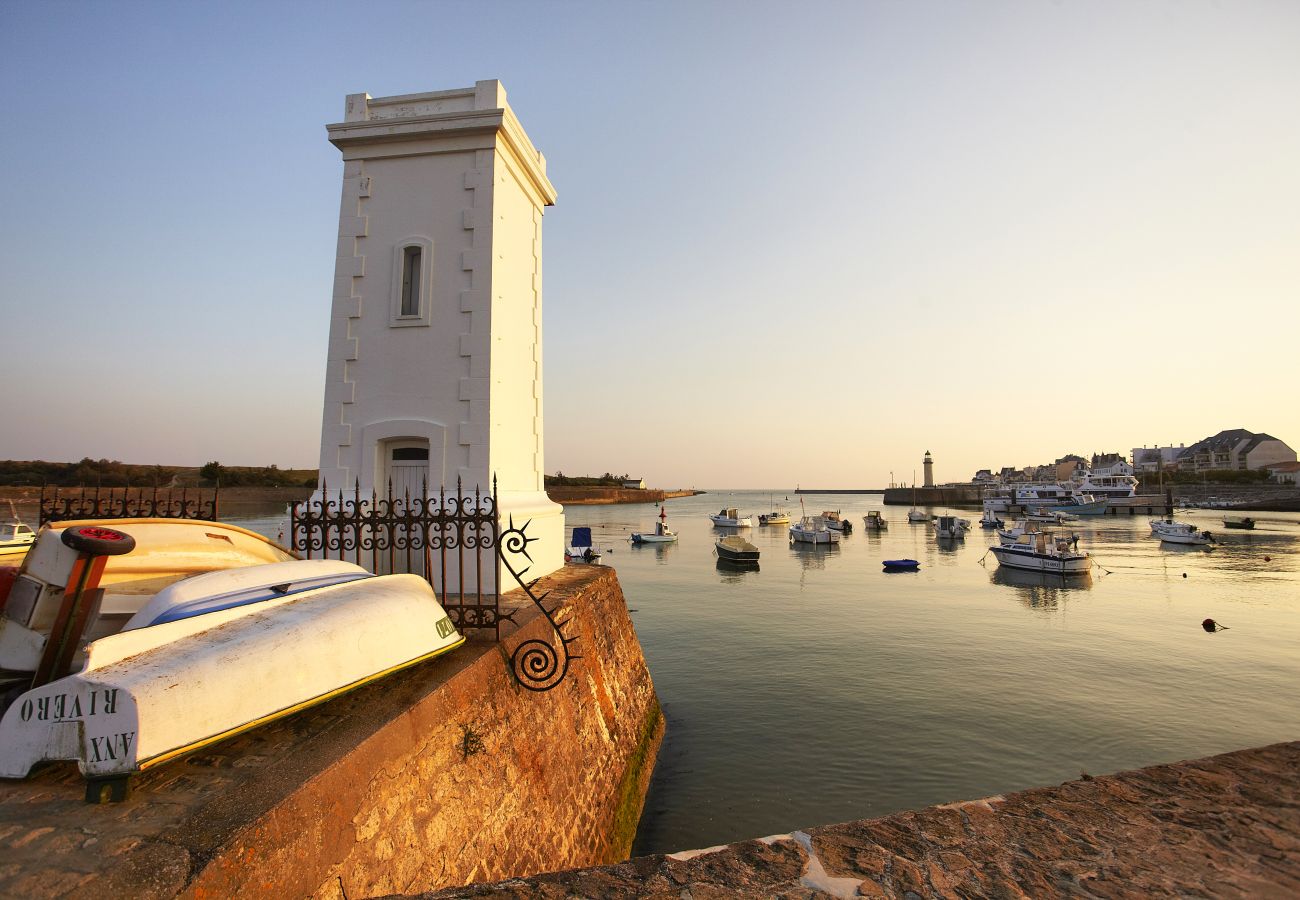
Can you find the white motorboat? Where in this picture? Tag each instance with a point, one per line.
(1051, 516)
(1172, 532)
(835, 522)
(730, 517)
(16, 538)
(580, 548)
(811, 530)
(950, 527)
(1011, 535)
(661, 535)
(874, 521)
(917, 517)
(244, 645)
(1042, 552)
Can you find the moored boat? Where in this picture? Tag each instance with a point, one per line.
(1238, 522)
(661, 535)
(16, 538)
(1171, 532)
(950, 527)
(900, 565)
(835, 522)
(774, 516)
(989, 520)
(811, 530)
(874, 521)
(735, 548)
(580, 548)
(730, 517)
(1041, 551)
(917, 517)
(1051, 516)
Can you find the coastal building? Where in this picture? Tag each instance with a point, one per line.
(927, 465)
(434, 368)
(634, 484)
(1235, 448)
(1152, 459)
(1285, 472)
(1106, 465)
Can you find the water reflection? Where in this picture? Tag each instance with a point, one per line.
(733, 571)
(1041, 590)
(812, 556)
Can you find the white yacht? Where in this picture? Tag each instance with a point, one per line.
(1105, 485)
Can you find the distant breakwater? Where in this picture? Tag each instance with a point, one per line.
(590, 496)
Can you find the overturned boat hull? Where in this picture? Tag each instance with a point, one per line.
(149, 695)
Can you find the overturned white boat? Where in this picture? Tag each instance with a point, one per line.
(206, 658)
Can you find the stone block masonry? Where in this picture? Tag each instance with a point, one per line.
(442, 775)
(1225, 826)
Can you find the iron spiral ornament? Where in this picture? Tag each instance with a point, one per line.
(537, 664)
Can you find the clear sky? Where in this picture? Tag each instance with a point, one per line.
(794, 243)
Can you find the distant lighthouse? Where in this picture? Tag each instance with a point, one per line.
(928, 464)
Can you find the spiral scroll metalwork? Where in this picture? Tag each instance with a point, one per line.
(538, 665)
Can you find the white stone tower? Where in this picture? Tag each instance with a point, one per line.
(435, 346)
(928, 465)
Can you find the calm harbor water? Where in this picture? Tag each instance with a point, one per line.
(819, 689)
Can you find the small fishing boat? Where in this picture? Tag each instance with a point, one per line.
(661, 535)
(580, 548)
(989, 520)
(1171, 532)
(735, 548)
(1018, 529)
(1238, 522)
(1041, 551)
(1049, 516)
(244, 645)
(811, 530)
(730, 517)
(950, 527)
(774, 516)
(900, 565)
(917, 517)
(874, 521)
(835, 522)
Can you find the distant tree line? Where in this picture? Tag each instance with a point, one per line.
(559, 479)
(112, 473)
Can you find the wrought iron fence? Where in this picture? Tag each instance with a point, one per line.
(115, 503)
(443, 538)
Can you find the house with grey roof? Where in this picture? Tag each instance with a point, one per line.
(1235, 448)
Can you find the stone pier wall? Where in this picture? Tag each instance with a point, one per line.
(1225, 826)
(442, 775)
